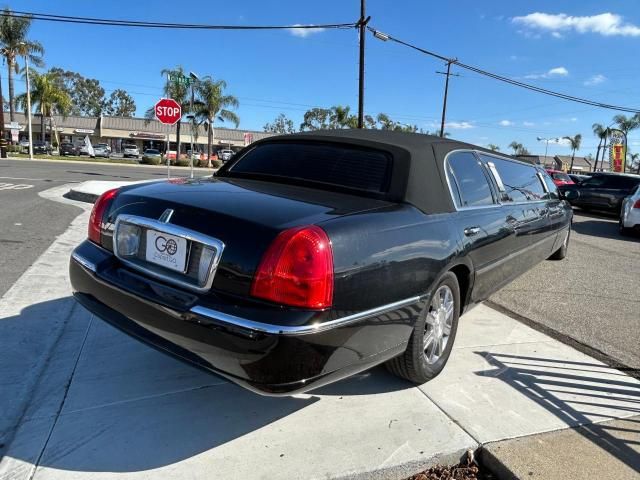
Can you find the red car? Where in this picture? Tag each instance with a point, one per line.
(560, 178)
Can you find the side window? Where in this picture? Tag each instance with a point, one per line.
(468, 180)
(551, 187)
(521, 181)
(595, 181)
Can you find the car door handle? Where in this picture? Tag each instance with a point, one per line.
(471, 231)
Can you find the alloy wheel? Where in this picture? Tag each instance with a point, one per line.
(438, 324)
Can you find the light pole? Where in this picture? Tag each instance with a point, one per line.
(193, 78)
(26, 63)
(547, 140)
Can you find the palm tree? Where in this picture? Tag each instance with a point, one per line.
(212, 105)
(385, 122)
(178, 91)
(48, 98)
(493, 147)
(14, 44)
(340, 117)
(599, 131)
(516, 147)
(574, 143)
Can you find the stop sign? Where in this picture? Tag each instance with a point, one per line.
(168, 111)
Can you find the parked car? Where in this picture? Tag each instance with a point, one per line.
(578, 178)
(105, 146)
(130, 151)
(225, 155)
(67, 148)
(42, 148)
(601, 191)
(100, 151)
(152, 156)
(559, 177)
(630, 213)
(82, 149)
(283, 276)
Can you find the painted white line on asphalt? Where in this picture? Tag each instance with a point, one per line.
(12, 186)
(25, 178)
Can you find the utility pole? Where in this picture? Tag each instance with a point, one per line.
(3, 141)
(446, 92)
(26, 62)
(363, 30)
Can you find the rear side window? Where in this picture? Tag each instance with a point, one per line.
(551, 187)
(345, 166)
(561, 176)
(468, 180)
(521, 182)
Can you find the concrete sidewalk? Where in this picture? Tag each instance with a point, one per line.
(102, 405)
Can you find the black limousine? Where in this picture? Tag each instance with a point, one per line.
(313, 256)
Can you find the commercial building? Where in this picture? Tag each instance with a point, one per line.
(563, 162)
(118, 131)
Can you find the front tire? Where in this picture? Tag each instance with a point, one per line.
(433, 335)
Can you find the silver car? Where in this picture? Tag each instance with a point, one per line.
(130, 151)
(630, 213)
(100, 151)
(226, 155)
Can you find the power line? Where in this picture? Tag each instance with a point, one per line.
(144, 24)
(386, 37)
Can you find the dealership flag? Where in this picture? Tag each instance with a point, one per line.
(87, 142)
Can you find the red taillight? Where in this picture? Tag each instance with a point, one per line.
(297, 269)
(95, 220)
(637, 204)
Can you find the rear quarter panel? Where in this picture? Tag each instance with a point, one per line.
(388, 255)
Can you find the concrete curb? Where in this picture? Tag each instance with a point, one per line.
(89, 191)
(174, 168)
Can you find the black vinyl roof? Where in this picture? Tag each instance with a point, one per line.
(417, 177)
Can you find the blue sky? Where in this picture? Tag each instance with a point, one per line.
(585, 48)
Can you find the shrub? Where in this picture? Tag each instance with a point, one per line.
(151, 160)
(183, 162)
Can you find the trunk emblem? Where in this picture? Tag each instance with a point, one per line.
(166, 215)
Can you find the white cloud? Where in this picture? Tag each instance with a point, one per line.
(528, 124)
(573, 119)
(459, 125)
(556, 35)
(506, 123)
(606, 24)
(554, 72)
(304, 32)
(595, 80)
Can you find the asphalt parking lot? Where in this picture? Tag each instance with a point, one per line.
(593, 296)
(29, 223)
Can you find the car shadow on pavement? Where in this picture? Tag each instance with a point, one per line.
(603, 229)
(579, 394)
(117, 405)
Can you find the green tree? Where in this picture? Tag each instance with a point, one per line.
(119, 104)
(493, 147)
(316, 119)
(574, 144)
(281, 125)
(600, 131)
(178, 91)
(46, 97)
(517, 147)
(385, 121)
(14, 44)
(87, 95)
(213, 104)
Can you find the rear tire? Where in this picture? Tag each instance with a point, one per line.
(433, 335)
(624, 231)
(561, 253)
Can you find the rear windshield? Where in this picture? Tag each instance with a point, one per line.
(344, 166)
(561, 176)
(152, 151)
